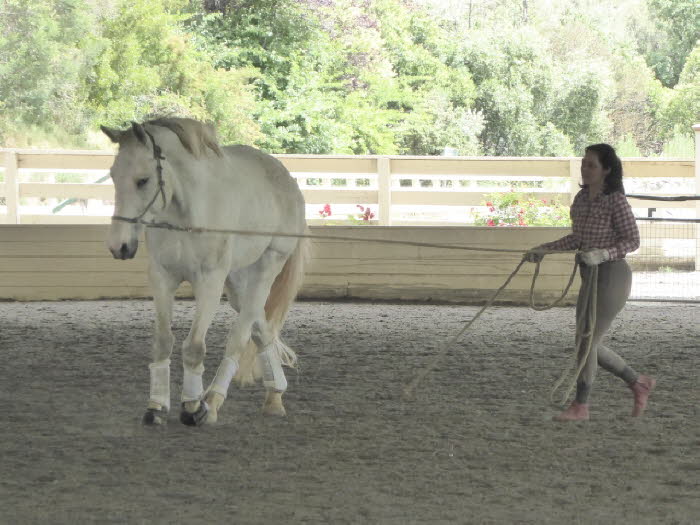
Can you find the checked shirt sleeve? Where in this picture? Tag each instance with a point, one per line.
(625, 227)
(568, 242)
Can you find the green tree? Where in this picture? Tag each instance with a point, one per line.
(45, 51)
(148, 66)
(682, 108)
(676, 33)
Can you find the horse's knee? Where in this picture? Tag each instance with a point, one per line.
(193, 353)
(261, 334)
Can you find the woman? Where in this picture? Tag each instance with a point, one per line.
(604, 230)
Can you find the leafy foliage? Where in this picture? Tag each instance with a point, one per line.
(536, 78)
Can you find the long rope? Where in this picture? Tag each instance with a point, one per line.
(194, 229)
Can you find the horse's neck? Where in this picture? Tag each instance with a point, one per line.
(201, 187)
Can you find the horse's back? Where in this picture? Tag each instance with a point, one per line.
(252, 164)
(241, 155)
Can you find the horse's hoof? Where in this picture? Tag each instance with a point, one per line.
(275, 411)
(215, 401)
(155, 417)
(194, 419)
(273, 404)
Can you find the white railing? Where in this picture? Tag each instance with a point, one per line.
(386, 183)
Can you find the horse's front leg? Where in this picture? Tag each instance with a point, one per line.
(207, 292)
(163, 286)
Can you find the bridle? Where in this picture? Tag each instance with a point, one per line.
(158, 155)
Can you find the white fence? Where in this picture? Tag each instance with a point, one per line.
(388, 184)
(44, 255)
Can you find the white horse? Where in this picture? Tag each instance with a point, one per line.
(173, 171)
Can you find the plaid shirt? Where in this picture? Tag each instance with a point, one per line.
(605, 222)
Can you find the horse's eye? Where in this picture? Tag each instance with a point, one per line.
(141, 183)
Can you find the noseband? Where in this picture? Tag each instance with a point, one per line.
(158, 155)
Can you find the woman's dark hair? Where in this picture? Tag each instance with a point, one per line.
(609, 160)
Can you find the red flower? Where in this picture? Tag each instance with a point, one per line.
(489, 203)
(325, 211)
(490, 223)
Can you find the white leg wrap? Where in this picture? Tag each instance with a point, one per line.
(224, 376)
(160, 383)
(192, 388)
(271, 365)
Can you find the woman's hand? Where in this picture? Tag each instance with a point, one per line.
(594, 257)
(534, 255)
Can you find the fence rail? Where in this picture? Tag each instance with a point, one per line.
(464, 180)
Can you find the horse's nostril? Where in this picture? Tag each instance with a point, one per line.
(124, 251)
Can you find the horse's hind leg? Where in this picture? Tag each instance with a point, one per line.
(252, 287)
(163, 287)
(207, 292)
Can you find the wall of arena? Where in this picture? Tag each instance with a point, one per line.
(53, 262)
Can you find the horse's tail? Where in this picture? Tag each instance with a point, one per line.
(280, 299)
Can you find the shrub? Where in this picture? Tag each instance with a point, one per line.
(519, 209)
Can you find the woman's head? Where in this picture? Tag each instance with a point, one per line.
(601, 165)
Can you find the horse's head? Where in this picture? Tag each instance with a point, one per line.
(135, 173)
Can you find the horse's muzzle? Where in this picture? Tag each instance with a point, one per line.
(125, 251)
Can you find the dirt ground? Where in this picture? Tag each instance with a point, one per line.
(476, 445)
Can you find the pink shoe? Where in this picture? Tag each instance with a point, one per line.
(575, 412)
(641, 388)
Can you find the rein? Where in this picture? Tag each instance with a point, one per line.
(585, 322)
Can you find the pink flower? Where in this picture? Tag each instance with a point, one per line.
(490, 223)
(325, 211)
(492, 209)
(489, 203)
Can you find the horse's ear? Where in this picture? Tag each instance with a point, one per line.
(139, 132)
(113, 134)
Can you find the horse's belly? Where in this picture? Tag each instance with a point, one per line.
(190, 258)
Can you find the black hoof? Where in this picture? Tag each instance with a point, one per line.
(194, 419)
(154, 417)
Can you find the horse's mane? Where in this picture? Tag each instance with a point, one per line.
(195, 136)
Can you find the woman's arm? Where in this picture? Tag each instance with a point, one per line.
(568, 242)
(625, 226)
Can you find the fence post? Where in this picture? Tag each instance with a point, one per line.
(384, 187)
(574, 177)
(696, 128)
(11, 187)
